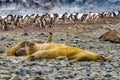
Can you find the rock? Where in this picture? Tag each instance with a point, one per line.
(38, 72)
(76, 36)
(5, 77)
(1, 51)
(15, 77)
(108, 66)
(60, 77)
(94, 74)
(72, 62)
(102, 63)
(106, 27)
(39, 78)
(43, 34)
(20, 69)
(27, 71)
(115, 64)
(5, 72)
(64, 63)
(62, 39)
(31, 63)
(57, 67)
(11, 39)
(25, 34)
(70, 76)
(80, 78)
(108, 75)
(2, 38)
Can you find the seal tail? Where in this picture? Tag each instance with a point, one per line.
(103, 58)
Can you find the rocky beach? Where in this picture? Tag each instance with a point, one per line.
(84, 36)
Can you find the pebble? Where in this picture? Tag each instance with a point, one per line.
(25, 34)
(108, 75)
(5, 72)
(39, 78)
(2, 38)
(15, 77)
(5, 77)
(115, 64)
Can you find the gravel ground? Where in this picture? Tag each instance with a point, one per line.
(17, 68)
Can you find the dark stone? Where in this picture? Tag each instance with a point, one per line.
(62, 40)
(102, 63)
(39, 72)
(115, 64)
(25, 34)
(108, 75)
(31, 63)
(1, 51)
(3, 38)
(42, 34)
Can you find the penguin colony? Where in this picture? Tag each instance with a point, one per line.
(11, 22)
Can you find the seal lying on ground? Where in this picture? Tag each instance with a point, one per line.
(112, 35)
(19, 49)
(48, 50)
(37, 51)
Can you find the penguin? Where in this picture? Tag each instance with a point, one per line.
(5, 26)
(43, 24)
(114, 14)
(118, 14)
(51, 22)
(55, 17)
(76, 16)
(83, 17)
(64, 16)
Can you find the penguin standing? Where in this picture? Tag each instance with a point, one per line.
(118, 13)
(51, 22)
(114, 14)
(5, 26)
(43, 24)
(76, 16)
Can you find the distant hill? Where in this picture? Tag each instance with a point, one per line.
(13, 6)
